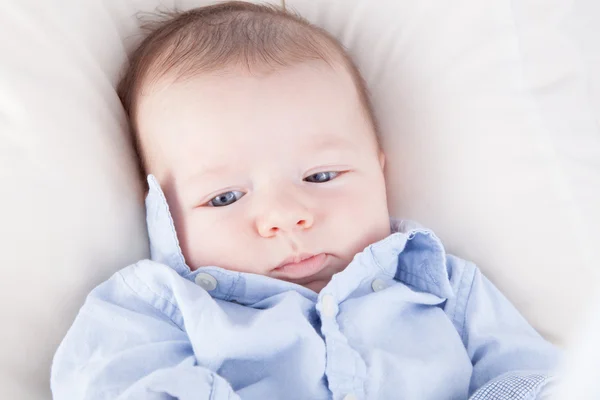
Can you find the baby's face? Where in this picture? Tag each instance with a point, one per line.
(260, 169)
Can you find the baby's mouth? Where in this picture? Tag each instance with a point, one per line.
(306, 267)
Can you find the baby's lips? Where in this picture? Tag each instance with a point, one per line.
(298, 270)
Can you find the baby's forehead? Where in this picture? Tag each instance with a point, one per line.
(310, 105)
(232, 95)
(306, 85)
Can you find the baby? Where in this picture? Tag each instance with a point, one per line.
(276, 271)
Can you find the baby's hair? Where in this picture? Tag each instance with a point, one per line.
(260, 38)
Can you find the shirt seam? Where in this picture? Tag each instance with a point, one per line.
(425, 281)
(233, 287)
(212, 387)
(427, 267)
(419, 277)
(467, 302)
(377, 264)
(153, 292)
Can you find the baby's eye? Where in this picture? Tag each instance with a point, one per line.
(321, 177)
(225, 199)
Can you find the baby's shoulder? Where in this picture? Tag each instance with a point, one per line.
(143, 288)
(143, 271)
(144, 280)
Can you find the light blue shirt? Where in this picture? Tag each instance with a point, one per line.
(404, 320)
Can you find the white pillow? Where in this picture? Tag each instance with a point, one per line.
(487, 115)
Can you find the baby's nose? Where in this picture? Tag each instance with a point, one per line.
(280, 219)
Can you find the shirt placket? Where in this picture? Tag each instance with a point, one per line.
(345, 369)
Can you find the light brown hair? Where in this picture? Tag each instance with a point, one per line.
(258, 37)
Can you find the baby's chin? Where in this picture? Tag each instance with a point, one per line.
(318, 285)
(317, 282)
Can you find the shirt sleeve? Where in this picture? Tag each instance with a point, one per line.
(510, 359)
(120, 347)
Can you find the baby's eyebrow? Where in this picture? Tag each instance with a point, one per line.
(322, 144)
(213, 169)
(328, 143)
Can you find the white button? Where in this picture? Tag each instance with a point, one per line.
(206, 281)
(378, 284)
(350, 396)
(328, 306)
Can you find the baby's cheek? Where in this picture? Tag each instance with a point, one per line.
(207, 238)
(360, 217)
(221, 238)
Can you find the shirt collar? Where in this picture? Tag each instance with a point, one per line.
(411, 254)
(164, 245)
